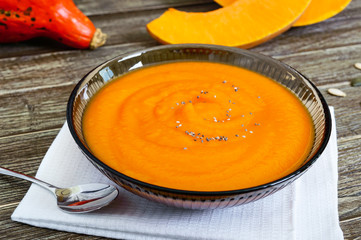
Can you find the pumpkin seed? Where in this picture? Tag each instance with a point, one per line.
(358, 65)
(336, 92)
(356, 82)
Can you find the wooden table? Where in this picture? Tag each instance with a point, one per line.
(37, 76)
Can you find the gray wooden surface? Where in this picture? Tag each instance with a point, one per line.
(37, 76)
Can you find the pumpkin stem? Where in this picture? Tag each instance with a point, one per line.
(98, 39)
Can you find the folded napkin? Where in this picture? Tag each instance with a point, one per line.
(306, 209)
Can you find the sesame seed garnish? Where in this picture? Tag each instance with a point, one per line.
(259, 97)
(185, 148)
(242, 115)
(243, 136)
(257, 124)
(224, 81)
(177, 121)
(197, 96)
(228, 119)
(215, 96)
(179, 125)
(250, 113)
(237, 135)
(190, 101)
(250, 131)
(229, 101)
(177, 103)
(242, 125)
(230, 109)
(183, 102)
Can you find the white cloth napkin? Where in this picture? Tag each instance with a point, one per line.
(306, 209)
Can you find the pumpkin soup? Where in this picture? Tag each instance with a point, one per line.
(198, 126)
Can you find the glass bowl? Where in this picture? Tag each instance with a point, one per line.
(276, 70)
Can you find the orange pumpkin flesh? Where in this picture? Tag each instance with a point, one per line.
(242, 24)
(317, 11)
(320, 10)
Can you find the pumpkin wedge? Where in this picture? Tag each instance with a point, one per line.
(244, 23)
(318, 11)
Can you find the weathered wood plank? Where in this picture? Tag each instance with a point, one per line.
(351, 228)
(15, 230)
(61, 68)
(22, 153)
(326, 66)
(349, 187)
(34, 111)
(347, 110)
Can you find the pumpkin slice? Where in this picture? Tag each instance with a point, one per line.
(318, 11)
(244, 23)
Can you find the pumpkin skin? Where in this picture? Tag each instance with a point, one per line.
(317, 11)
(244, 23)
(60, 20)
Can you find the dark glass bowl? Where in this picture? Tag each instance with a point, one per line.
(278, 71)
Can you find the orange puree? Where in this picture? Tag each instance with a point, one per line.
(198, 126)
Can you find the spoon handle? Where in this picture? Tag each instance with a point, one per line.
(12, 173)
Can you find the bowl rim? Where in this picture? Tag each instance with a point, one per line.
(293, 175)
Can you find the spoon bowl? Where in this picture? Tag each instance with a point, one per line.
(78, 199)
(85, 198)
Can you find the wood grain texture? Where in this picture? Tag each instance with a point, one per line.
(37, 76)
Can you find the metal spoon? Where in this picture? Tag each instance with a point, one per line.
(77, 199)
